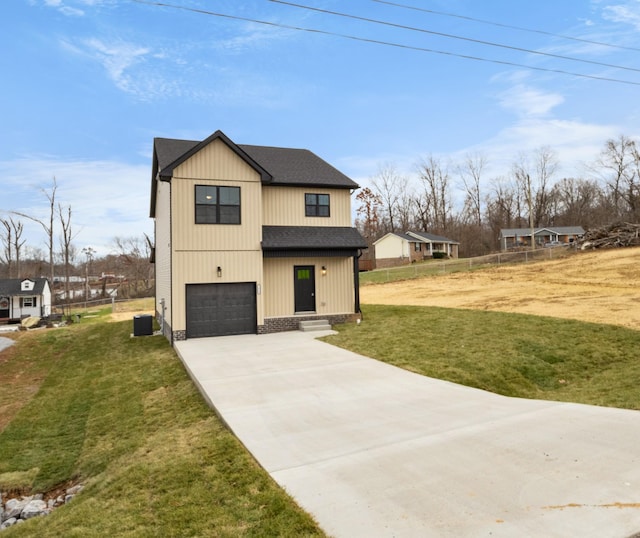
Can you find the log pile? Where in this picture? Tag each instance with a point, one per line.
(621, 234)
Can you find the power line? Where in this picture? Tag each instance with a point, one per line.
(502, 25)
(385, 43)
(453, 36)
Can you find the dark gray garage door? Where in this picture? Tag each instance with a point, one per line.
(221, 309)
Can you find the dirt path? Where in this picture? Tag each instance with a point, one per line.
(600, 286)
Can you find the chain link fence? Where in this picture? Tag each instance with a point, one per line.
(436, 267)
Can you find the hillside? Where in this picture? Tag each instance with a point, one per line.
(597, 286)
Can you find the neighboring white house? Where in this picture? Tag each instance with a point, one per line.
(21, 298)
(395, 249)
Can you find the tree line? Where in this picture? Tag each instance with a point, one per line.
(529, 195)
(62, 263)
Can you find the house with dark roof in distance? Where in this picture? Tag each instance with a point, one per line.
(395, 249)
(24, 297)
(512, 238)
(250, 239)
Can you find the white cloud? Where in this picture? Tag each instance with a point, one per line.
(527, 101)
(107, 198)
(118, 59)
(65, 9)
(627, 13)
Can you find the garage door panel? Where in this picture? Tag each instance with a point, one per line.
(221, 309)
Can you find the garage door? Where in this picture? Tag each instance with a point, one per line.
(221, 309)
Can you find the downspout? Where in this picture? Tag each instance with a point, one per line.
(356, 282)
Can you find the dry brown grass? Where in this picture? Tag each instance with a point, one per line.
(597, 286)
(126, 310)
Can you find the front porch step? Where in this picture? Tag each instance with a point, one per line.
(315, 325)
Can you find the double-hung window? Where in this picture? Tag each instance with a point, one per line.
(316, 205)
(217, 205)
(27, 302)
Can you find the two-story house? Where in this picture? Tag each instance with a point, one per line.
(250, 239)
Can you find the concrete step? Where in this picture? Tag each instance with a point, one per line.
(315, 325)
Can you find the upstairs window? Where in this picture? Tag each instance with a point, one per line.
(316, 205)
(217, 205)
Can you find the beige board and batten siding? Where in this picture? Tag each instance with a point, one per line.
(163, 249)
(206, 167)
(285, 206)
(334, 291)
(202, 268)
(199, 249)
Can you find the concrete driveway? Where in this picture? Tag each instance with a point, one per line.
(373, 451)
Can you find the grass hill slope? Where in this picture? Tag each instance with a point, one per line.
(596, 286)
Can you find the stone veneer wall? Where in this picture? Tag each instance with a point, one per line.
(275, 325)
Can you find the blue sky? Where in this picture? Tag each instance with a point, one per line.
(88, 84)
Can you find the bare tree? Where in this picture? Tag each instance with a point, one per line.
(18, 243)
(389, 186)
(616, 166)
(632, 190)
(12, 244)
(7, 245)
(134, 253)
(546, 165)
(471, 174)
(47, 225)
(433, 204)
(66, 247)
(576, 201)
(501, 207)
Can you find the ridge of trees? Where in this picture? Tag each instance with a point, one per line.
(530, 195)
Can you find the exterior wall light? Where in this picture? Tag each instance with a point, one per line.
(219, 271)
(324, 270)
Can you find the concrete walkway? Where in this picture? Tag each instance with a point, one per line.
(374, 451)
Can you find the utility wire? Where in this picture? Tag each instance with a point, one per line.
(501, 25)
(378, 42)
(452, 36)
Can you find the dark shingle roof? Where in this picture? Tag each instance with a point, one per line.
(433, 237)
(560, 230)
(311, 237)
(285, 166)
(168, 150)
(301, 167)
(12, 287)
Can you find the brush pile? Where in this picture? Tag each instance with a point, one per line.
(621, 234)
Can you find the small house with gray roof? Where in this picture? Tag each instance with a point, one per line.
(250, 239)
(394, 249)
(513, 238)
(24, 297)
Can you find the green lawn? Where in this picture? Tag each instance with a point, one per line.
(121, 415)
(510, 354)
